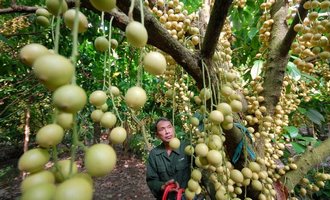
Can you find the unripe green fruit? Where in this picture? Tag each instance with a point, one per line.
(196, 175)
(56, 7)
(104, 5)
(114, 43)
(154, 63)
(100, 159)
(53, 70)
(108, 120)
(136, 34)
(69, 98)
(118, 135)
(98, 98)
(194, 121)
(33, 160)
(101, 44)
(74, 189)
(42, 21)
(30, 52)
(50, 135)
(44, 191)
(174, 143)
(97, 115)
(189, 150)
(64, 169)
(65, 120)
(43, 12)
(135, 97)
(69, 17)
(193, 185)
(41, 177)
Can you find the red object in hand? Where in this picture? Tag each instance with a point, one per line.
(173, 187)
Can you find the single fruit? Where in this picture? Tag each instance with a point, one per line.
(205, 94)
(196, 175)
(108, 120)
(114, 91)
(104, 5)
(118, 135)
(201, 149)
(101, 44)
(236, 105)
(43, 191)
(64, 169)
(135, 97)
(104, 107)
(100, 159)
(69, 17)
(42, 21)
(154, 63)
(43, 12)
(193, 185)
(136, 34)
(247, 173)
(189, 150)
(174, 143)
(214, 157)
(69, 98)
(65, 120)
(194, 121)
(33, 160)
(225, 108)
(50, 135)
(236, 176)
(114, 43)
(56, 7)
(53, 70)
(41, 177)
(257, 185)
(74, 189)
(97, 115)
(98, 98)
(254, 167)
(216, 116)
(30, 52)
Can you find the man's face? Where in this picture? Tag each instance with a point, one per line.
(165, 131)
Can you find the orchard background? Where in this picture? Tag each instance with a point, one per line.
(246, 80)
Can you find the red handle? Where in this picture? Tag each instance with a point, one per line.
(173, 187)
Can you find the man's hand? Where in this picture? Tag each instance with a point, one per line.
(169, 182)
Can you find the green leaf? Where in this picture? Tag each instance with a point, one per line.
(252, 32)
(292, 130)
(293, 71)
(256, 69)
(315, 116)
(5, 40)
(298, 148)
(302, 110)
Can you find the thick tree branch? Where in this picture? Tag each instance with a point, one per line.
(18, 9)
(216, 22)
(306, 162)
(291, 34)
(160, 38)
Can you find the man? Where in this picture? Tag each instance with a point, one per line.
(164, 164)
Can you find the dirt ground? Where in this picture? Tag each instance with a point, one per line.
(125, 182)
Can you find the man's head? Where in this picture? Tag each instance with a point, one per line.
(164, 129)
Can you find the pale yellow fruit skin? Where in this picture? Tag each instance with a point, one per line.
(216, 116)
(118, 135)
(135, 97)
(108, 120)
(33, 160)
(65, 120)
(69, 17)
(103, 5)
(100, 159)
(154, 63)
(41, 177)
(236, 176)
(74, 189)
(64, 170)
(201, 149)
(196, 175)
(98, 98)
(43, 21)
(97, 115)
(174, 143)
(101, 44)
(72, 101)
(214, 157)
(114, 91)
(43, 12)
(30, 52)
(53, 6)
(50, 135)
(43, 191)
(136, 34)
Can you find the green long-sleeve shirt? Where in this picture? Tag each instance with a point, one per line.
(161, 168)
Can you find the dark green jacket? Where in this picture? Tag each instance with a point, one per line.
(161, 168)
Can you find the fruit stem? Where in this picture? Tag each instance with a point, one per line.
(142, 12)
(75, 141)
(57, 33)
(130, 12)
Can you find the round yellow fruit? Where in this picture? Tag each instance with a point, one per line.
(174, 143)
(135, 97)
(30, 52)
(154, 63)
(74, 189)
(136, 34)
(104, 5)
(118, 135)
(33, 160)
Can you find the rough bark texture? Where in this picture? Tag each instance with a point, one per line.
(306, 162)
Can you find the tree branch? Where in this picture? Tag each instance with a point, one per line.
(214, 27)
(306, 162)
(18, 9)
(291, 34)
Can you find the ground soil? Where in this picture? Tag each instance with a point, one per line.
(125, 182)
